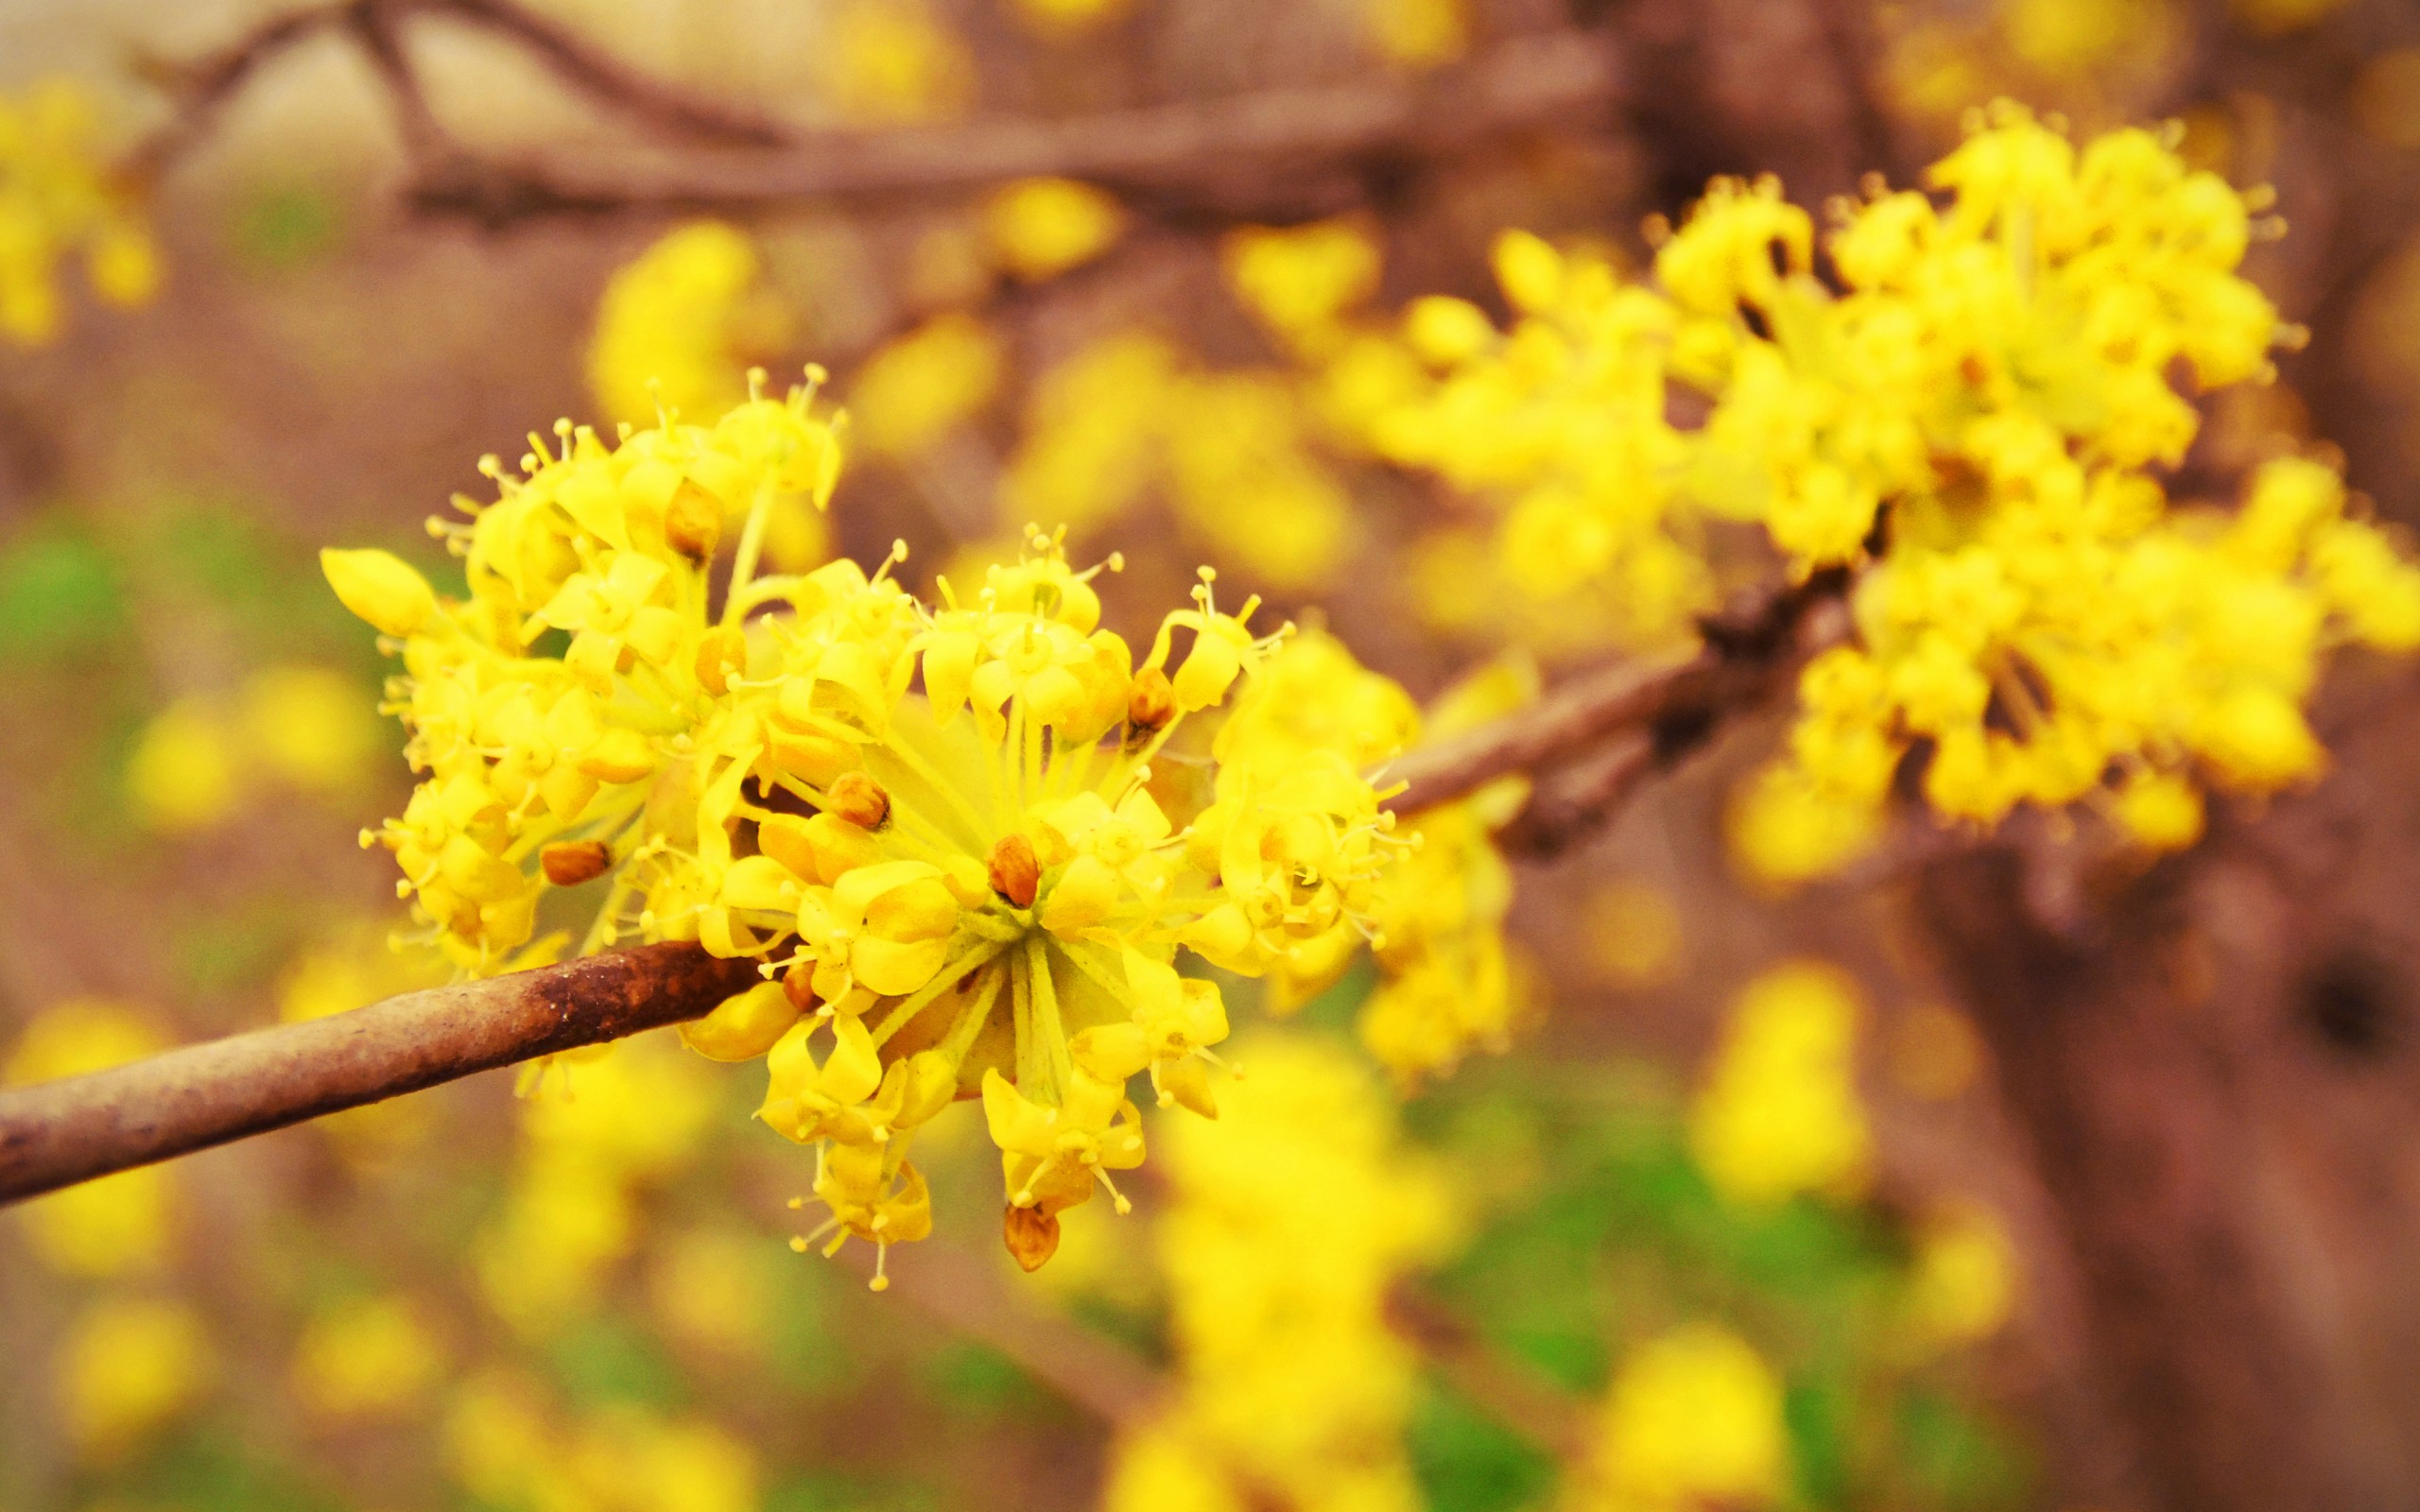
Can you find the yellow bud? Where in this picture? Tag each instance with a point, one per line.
(744, 1026)
(381, 588)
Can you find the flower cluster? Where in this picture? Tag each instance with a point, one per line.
(1292, 1219)
(1974, 412)
(1694, 1419)
(58, 199)
(1779, 1114)
(676, 324)
(944, 829)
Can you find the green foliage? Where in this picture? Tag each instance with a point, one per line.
(1468, 1462)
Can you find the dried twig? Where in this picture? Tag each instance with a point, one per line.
(57, 1133)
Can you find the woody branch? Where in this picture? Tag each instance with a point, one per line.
(1642, 718)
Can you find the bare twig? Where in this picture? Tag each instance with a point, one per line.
(1232, 145)
(202, 89)
(1675, 702)
(606, 79)
(57, 1133)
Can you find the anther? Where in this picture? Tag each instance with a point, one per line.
(1152, 702)
(1016, 870)
(1031, 1235)
(569, 863)
(859, 800)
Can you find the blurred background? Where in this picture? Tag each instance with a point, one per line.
(1741, 1218)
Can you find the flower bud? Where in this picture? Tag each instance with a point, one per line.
(569, 863)
(381, 588)
(1015, 872)
(859, 800)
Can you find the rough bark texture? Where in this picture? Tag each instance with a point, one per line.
(2215, 1066)
(59, 1133)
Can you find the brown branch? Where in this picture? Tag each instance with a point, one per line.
(1507, 1389)
(1677, 704)
(604, 77)
(202, 88)
(59, 1133)
(1257, 145)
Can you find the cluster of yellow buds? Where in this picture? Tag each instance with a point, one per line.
(944, 830)
(1970, 414)
(57, 198)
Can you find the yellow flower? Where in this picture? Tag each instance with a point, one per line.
(678, 326)
(919, 388)
(1779, 1112)
(129, 1366)
(1421, 33)
(954, 882)
(1292, 1218)
(1963, 1287)
(891, 62)
(373, 1357)
(1040, 227)
(119, 1224)
(185, 772)
(307, 727)
(57, 198)
(1694, 1419)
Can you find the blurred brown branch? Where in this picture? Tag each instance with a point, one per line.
(1591, 742)
(1267, 152)
(57, 1133)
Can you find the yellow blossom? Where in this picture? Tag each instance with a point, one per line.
(679, 326)
(1293, 1216)
(129, 1366)
(119, 1224)
(60, 199)
(942, 830)
(1779, 1112)
(1040, 227)
(370, 1357)
(926, 383)
(186, 770)
(1694, 1419)
(892, 62)
(1962, 1286)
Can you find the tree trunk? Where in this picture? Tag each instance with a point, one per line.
(2217, 1070)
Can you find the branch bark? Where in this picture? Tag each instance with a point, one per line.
(59, 1133)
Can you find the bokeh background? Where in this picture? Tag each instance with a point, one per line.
(466, 1300)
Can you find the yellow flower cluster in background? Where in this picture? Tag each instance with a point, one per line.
(978, 887)
(58, 199)
(510, 1447)
(679, 326)
(1293, 1216)
(1779, 1112)
(1972, 417)
(1694, 1420)
(202, 758)
(1040, 227)
(1231, 450)
(1446, 981)
(626, 1117)
(890, 63)
(117, 1226)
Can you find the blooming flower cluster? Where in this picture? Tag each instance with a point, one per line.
(1974, 412)
(1694, 1419)
(58, 199)
(1293, 1217)
(944, 830)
